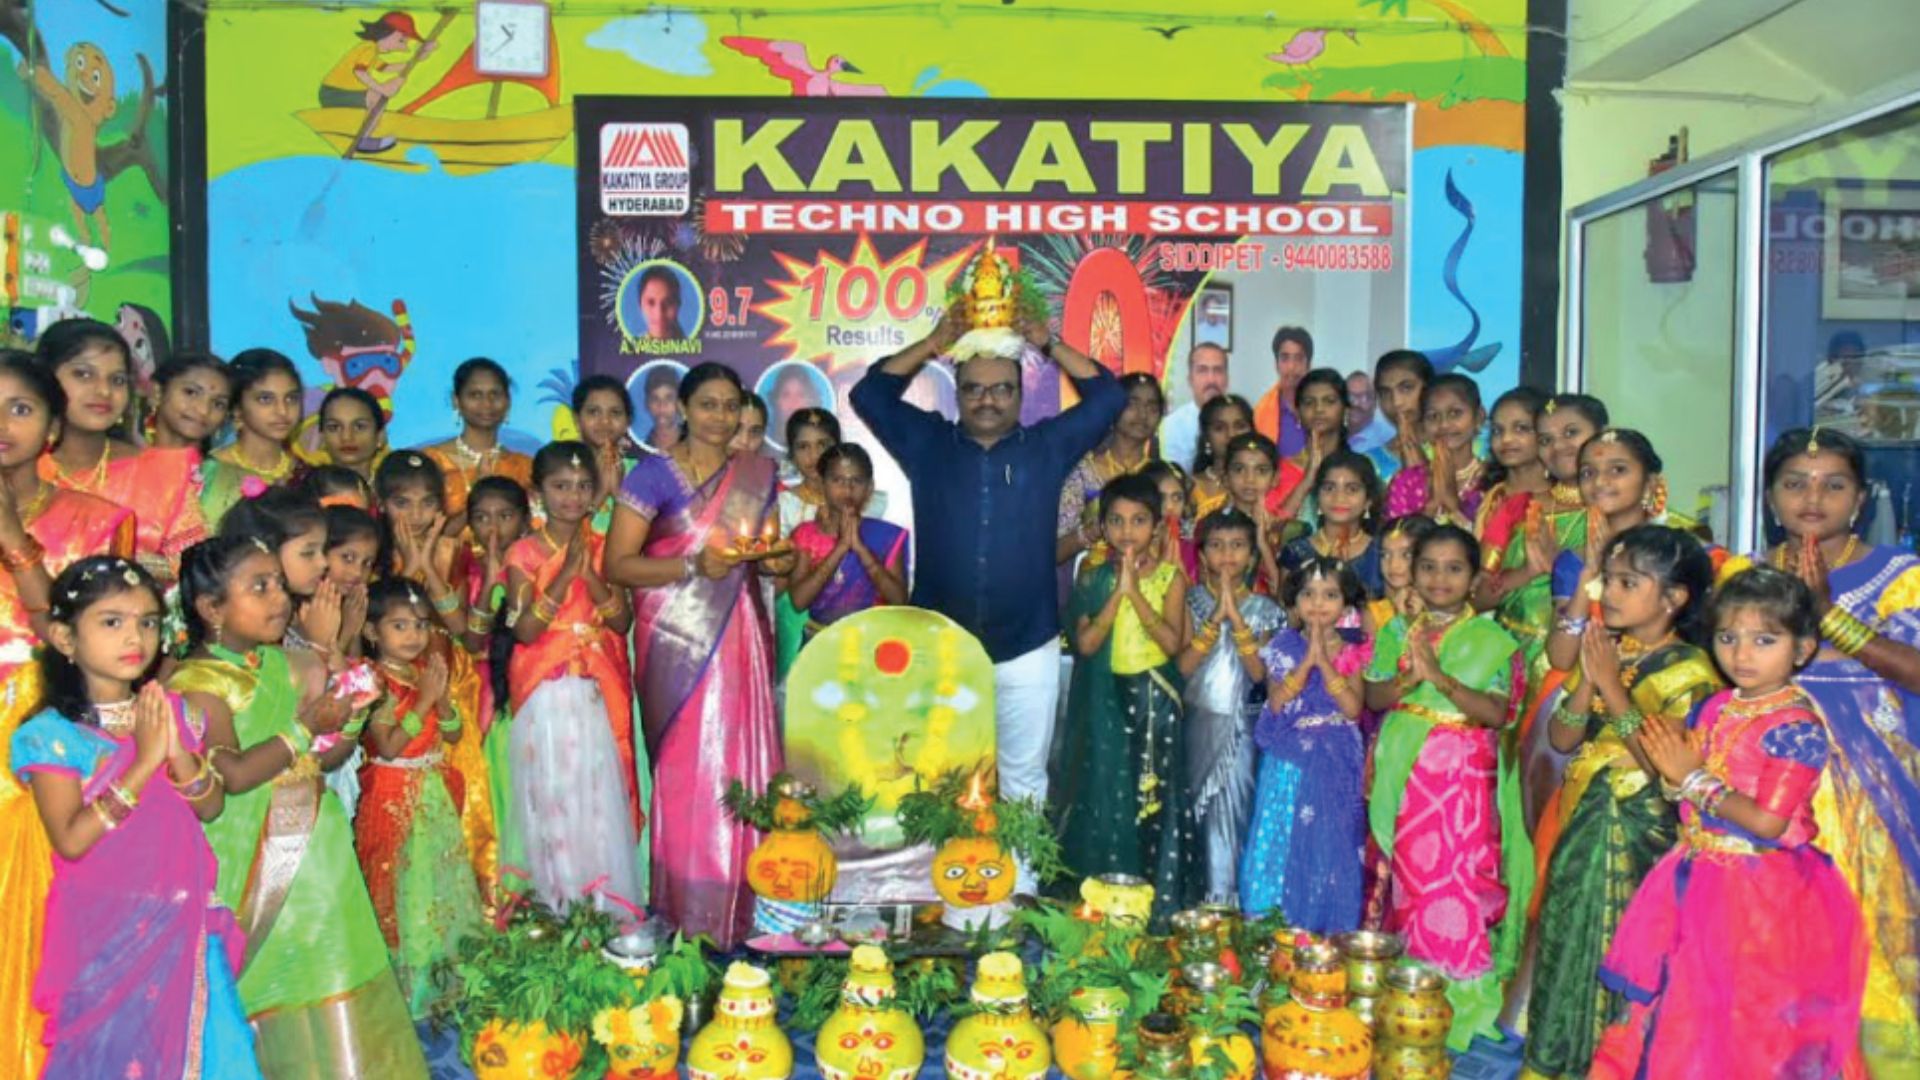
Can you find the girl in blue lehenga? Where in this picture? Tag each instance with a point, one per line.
(1304, 853)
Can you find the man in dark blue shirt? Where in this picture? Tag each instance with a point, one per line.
(986, 498)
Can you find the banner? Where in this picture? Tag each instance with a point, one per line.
(798, 240)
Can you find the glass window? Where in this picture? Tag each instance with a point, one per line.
(1841, 334)
(1657, 328)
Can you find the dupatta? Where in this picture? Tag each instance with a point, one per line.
(122, 977)
(678, 627)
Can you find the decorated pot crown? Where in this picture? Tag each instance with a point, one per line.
(1000, 980)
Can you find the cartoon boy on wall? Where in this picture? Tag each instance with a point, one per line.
(83, 103)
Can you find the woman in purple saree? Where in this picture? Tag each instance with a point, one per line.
(703, 653)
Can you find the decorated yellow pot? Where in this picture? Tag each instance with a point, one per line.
(742, 1042)
(1412, 1063)
(1369, 954)
(1314, 1034)
(643, 1042)
(973, 872)
(503, 1051)
(1414, 1011)
(1238, 1048)
(1002, 1041)
(1086, 1041)
(793, 864)
(868, 1037)
(1119, 898)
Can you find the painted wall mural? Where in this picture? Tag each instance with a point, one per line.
(384, 203)
(84, 224)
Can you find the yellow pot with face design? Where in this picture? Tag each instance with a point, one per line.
(1002, 1041)
(973, 872)
(504, 1051)
(869, 1037)
(793, 865)
(643, 1042)
(742, 1042)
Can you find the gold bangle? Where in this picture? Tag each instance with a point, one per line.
(1337, 684)
(609, 609)
(447, 604)
(25, 556)
(544, 608)
(198, 775)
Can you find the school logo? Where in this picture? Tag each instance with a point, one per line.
(645, 170)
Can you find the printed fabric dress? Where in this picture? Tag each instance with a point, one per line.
(1366, 565)
(851, 589)
(576, 792)
(463, 468)
(315, 978)
(1868, 810)
(137, 977)
(1116, 768)
(162, 489)
(703, 662)
(223, 478)
(1221, 704)
(1306, 852)
(1616, 825)
(71, 526)
(1446, 812)
(1742, 957)
(412, 851)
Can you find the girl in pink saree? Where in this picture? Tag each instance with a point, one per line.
(703, 656)
(137, 971)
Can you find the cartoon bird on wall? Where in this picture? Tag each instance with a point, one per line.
(1305, 47)
(788, 60)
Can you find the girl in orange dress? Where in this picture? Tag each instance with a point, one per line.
(483, 395)
(43, 528)
(412, 491)
(91, 361)
(267, 408)
(576, 790)
(408, 830)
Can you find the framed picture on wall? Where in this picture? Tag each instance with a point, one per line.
(1213, 315)
(1871, 254)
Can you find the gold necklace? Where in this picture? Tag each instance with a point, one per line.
(1765, 703)
(31, 510)
(65, 479)
(272, 474)
(475, 459)
(1565, 497)
(1114, 467)
(115, 717)
(1846, 554)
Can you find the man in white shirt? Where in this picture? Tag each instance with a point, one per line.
(1207, 379)
(1366, 428)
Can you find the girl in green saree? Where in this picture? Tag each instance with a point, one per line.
(314, 979)
(1118, 766)
(1641, 658)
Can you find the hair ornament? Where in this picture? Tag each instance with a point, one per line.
(252, 487)
(339, 498)
(1550, 406)
(415, 460)
(1813, 439)
(261, 544)
(575, 460)
(130, 576)
(1610, 436)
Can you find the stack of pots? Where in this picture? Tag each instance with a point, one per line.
(1411, 1025)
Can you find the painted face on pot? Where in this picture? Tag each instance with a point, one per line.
(866, 1050)
(792, 865)
(973, 873)
(517, 1052)
(643, 1043)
